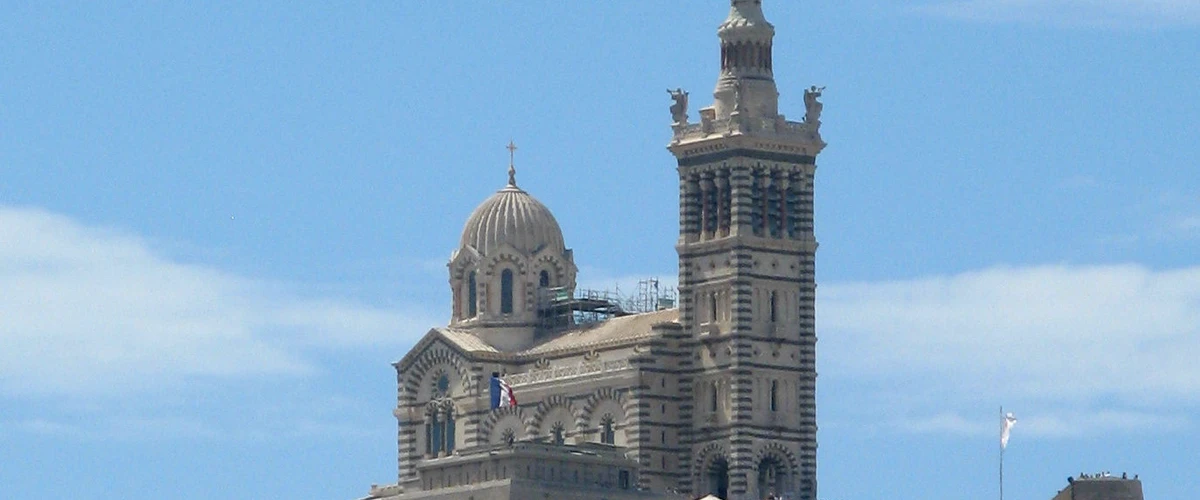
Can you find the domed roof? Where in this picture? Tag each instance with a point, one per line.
(514, 217)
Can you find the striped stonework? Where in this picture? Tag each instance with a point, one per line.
(715, 397)
(747, 286)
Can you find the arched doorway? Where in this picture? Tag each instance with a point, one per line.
(772, 477)
(718, 477)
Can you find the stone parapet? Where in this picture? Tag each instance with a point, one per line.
(558, 374)
(766, 127)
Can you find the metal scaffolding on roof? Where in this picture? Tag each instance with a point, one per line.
(560, 307)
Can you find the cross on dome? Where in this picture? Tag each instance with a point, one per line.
(512, 171)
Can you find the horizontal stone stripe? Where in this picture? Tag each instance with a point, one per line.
(752, 154)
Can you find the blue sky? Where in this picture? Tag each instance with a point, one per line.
(220, 222)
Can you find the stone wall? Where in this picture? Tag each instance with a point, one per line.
(1104, 488)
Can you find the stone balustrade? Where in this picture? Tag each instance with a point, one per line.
(761, 125)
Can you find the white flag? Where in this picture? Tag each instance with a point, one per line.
(1006, 429)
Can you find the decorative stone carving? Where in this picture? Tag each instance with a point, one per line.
(707, 117)
(812, 106)
(679, 108)
(739, 96)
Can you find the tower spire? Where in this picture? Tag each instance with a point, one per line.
(747, 82)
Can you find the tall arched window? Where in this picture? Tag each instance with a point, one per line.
(544, 279)
(712, 307)
(713, 397)
(472, 301)
(506, 292)
(774, 395)
(773, 315)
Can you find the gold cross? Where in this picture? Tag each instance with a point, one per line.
(512, 151)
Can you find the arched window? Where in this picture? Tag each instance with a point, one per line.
(713, 398)
(774, 395)
(506, 292)
(718, 478)
(772, 476)
(472, 300)
(607, 434)
(449, 431)
(712, 307)
(773, 315)
(544, 279)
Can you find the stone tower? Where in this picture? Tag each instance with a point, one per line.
(747, 277)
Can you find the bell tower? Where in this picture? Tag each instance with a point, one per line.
(747, 282)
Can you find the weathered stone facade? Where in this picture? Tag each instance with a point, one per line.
(716, 396)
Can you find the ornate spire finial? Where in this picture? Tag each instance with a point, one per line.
(512, 171)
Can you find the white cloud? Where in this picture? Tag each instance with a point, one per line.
(945, 423)
(1098, 423)
(87, 310)
(1067, 341)
(1110, 13)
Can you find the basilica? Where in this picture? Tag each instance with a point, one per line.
(711, 395)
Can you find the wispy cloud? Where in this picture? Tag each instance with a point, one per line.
(123, 427)
(1068, 341)
(87, 310)
(1176, 217)
(1168, 217)
(1186, 224)
(1047, 423)
(1107, 13)
(41, 427)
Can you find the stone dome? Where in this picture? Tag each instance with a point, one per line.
(514, 217)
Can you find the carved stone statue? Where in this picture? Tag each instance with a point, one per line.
(679, 108)
(811, 105)
(739, 96)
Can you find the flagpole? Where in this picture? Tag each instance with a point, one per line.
(1002, 455)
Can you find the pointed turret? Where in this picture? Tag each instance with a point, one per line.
(746, 83)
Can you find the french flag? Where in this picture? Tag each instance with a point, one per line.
(502, 393)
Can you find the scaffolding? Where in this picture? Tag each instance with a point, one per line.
(650, 296)
(560, 307)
